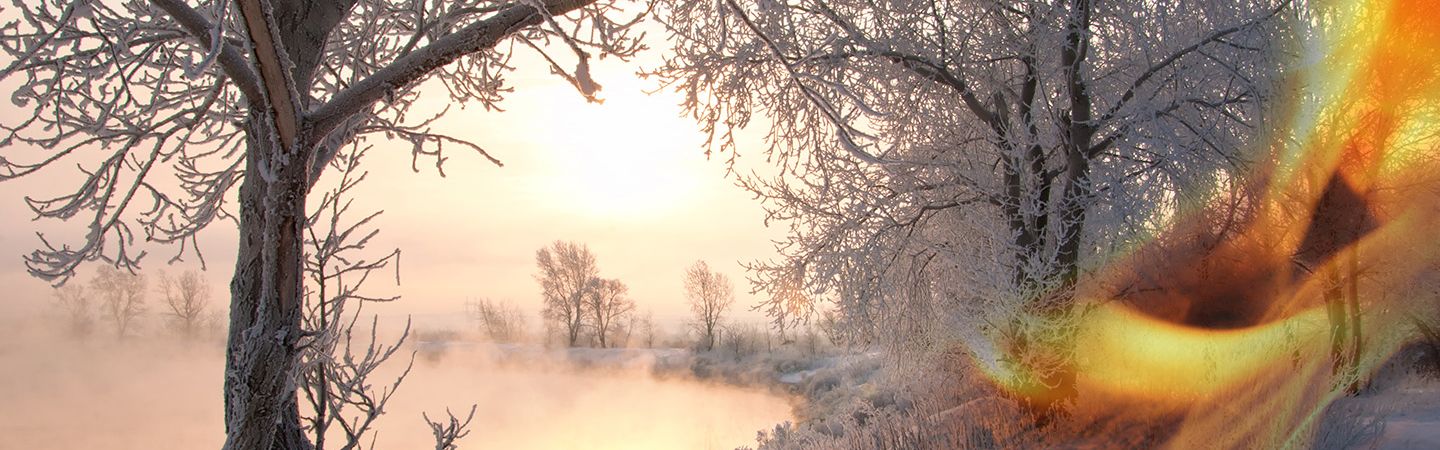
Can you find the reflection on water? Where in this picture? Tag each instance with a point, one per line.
(142, 395)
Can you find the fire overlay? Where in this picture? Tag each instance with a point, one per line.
(1252, 312)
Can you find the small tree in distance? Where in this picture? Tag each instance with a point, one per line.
(647, 326)
(122, 297)
(710, 295)
(187, 297)
(608, 305)
(75, 302)
(500, 321)
(566, 272)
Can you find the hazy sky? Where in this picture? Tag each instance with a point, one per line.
(627, 177)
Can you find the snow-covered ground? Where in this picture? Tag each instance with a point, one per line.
(1404, 411)
(1415, 427)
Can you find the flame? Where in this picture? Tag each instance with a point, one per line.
(1183, 363)
(1231, 331)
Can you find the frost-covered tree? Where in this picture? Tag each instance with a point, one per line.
(122, 297)
(934, 156)
(645, 325)
(499, 321)
(181, 113)
(567, 274)
(341, 353)
(187, 297)
(710, 295)
(609, 305)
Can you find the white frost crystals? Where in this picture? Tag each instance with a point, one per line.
(163, 142)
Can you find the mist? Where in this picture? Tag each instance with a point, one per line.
(153, 392)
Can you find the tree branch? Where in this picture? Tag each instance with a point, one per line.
(1217, 36)
(231, 60)
(478, 36)
(271, 59)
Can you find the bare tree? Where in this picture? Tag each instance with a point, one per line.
(339, 360)
(172, 110)
(187, 297)
(500, 321)
(567, 273)
(646, 326)
(929, 157)
(122, 297)
(609, 305)
(710, 295)
(452, 430)
(79, 312)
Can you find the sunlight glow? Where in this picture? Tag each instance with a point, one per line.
(1183, 363)
(631, 157)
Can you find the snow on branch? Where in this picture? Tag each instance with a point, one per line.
(451, 430)
(208, 35)
(1004, 164)
(478, 36)
(147, 101)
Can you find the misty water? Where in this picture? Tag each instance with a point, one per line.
(146, 394)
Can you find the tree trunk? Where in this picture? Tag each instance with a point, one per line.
(1057, 385)
(1353, 294)
(1079, 138)
(261, 411)
(573, 327)
(1342, 305)
(1335, 310)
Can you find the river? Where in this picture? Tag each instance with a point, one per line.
(149, 395)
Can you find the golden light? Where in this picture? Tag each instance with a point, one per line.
(1236, 337)
(631, 157)
(1184, 363)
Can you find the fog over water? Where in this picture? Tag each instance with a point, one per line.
(148, 393)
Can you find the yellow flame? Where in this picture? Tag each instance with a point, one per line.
(1127, 353)
(1358, 156)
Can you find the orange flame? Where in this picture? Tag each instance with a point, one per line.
(1231, 327)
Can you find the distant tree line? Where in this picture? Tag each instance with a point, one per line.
(499, 321)
(578, 303)
(119, 298)
(583, 308)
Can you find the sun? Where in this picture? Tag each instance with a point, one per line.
(631, 157)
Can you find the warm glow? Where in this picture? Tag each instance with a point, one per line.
(1182, 363)
(1236, 336)
(631, 157)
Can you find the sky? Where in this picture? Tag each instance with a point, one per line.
(627, 177)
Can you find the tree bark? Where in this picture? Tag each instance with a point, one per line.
(1079, 139)
(267, 291)
(261, 411)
